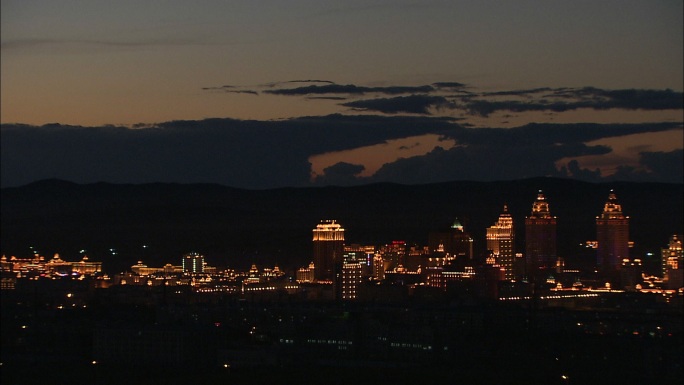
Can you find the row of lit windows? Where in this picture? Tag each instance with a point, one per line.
(550, 297)
(411, 346)
(328, 342)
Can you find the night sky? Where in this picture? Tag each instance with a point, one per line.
(266, 94)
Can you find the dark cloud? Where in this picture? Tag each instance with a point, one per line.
(518, 92)
(310, 81)
(240, 153)
(450, 85)
(340, 174)
(453, 95)
(643, 99)
(269, 154)
(627, 98)
(591, 98)
(655, 167)
(231, 89)
(483, 162)
(326, 98)
(288, 82)
(414, 104)
(573, 170)
(528, 151)
(487, 107)
(349, 89)
(545, 134)
(250, 92)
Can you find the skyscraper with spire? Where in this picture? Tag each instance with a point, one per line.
(500, 242)
(540, 237)
(612, 235)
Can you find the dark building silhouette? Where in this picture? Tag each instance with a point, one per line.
(328, 249)
(461, 245)
(540, 237)
(456, 242)
(612, 236)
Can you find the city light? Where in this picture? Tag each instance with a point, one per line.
(388, 304)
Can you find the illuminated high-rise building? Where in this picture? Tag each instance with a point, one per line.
(362, 254)
(193, 263)
(351, 279)
(673, 261)
(540, 236)
(378, 267)
(612, 236)
(500, 242)
(328, 248)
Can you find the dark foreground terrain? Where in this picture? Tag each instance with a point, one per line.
(105, 337)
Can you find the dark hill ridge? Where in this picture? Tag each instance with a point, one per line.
(236, 227)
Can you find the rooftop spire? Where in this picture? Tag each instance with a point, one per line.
(540, 207)
(457, 224)
(612, 209)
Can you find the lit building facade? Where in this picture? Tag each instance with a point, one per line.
(351, 279)
(362, 254)
(86, 266)
(54, 267)
(253, 276)
(672, 259)
(433, 276)
(612, 236)
(141, 269)
(193, 263)
(328, 248)
(378, 267)
(59, 266)
(306, 274)
(500, 242)
(540, 237)
(393, 254)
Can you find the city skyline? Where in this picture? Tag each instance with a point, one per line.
(375, 308)
(537, 250)
(101, 218)
(307, 93)
(333, 191)
(346, 266)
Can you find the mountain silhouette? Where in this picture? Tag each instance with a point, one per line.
(159, 222)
